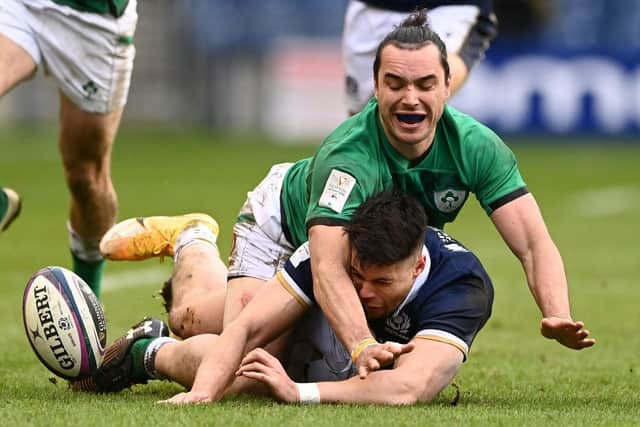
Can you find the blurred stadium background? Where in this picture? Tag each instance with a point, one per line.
(274, 66)
(224, 88)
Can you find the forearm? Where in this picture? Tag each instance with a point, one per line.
(332, 286)
(547, 279)
(340, 304)
(373, 389)
(384, 387)
(521, 226)
(218, 366)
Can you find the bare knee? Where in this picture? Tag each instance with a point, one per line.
(84, 181)
(86, 142)
(185, 321)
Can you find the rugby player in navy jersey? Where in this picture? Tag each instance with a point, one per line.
(423, 292)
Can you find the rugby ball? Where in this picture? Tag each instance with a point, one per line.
(64, 322)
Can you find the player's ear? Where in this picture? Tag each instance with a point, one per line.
(421, 263)
(375, 86)
(447, 87)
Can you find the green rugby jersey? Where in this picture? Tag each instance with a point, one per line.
(111, 7)
(357, 161)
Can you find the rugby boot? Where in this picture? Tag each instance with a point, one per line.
(10, 205)
(140, 238)
(117, 371)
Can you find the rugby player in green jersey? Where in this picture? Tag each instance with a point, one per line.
(406, 138)
(86, 46)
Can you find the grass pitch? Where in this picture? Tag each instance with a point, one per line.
(589, 195)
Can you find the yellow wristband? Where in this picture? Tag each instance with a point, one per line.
(361, 346)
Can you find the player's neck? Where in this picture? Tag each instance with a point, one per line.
(413, 152)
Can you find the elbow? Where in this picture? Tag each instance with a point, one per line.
(410, 392)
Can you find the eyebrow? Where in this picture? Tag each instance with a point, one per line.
(422, 79)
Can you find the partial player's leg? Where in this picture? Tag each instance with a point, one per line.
(86, 141)
(18, 56)
(364, 28)
(198, 288)
(124, 360)
(9, 207)
(90, 58)
(147, 353)
(467, 32)
(16, 62)
(194, 297)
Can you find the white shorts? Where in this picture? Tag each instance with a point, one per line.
(90, 56)
(260, 247)
(365, 27)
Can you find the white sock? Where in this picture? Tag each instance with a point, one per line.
(86, 250)
(150, 356)
(198, 233)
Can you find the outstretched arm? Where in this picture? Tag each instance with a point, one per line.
(417, 377)
(521, 226)
(271, 312)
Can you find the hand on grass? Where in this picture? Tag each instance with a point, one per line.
(567, 332)
(189, 397)
(261, 366)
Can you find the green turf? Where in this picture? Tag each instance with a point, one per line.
(589, 194)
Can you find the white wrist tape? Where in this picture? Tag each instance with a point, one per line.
(308, 392)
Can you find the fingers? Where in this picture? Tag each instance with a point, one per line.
(259, 355)
(187, 398)
(586, 343)
(405, 348)
(377, 356)
(259, 361)
(252, 367)
(567, 332)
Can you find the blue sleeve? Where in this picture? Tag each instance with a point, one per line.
(460, 309)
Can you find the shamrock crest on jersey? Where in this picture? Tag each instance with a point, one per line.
(449, 200)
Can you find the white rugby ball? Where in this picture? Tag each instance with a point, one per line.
(64, 322)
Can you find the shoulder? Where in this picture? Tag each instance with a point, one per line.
(474, 143)
(441, 245)
(468, 130)
(353, 142)
(450, 259)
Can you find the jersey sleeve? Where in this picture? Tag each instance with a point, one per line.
(493, 170)
(296, 276)
(456, 314)
(342, 177)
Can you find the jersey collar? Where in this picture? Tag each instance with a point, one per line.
(396, 161)
(420, 281)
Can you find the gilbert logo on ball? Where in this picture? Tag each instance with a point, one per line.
(64, 323)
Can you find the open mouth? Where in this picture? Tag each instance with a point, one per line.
(410, 118)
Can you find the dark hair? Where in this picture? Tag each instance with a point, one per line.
(387, 228)
(413, 33)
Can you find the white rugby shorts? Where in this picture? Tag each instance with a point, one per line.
(90, 56)
(260, 247)
(365, 27)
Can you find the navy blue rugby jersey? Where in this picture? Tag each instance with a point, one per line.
(450, 301)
